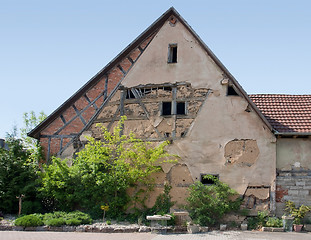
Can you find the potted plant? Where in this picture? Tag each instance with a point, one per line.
(297, 213)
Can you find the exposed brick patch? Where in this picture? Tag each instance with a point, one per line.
(115, 76)
(69, 114)
(81, 103)
(53, 127)
(44, 143)
(66, 140)
(146, 42)
(280, 193)
(74, 127)
(88, 113)
(97, 89)
(99, 101)
(54, 146)
(135, 54)
(126, 64)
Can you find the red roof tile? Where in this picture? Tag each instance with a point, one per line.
(286, 113)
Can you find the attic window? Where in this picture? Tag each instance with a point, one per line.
(166, 108)
(129, 94)
(181, 108)
(231, 91)
(172, 53)
(208, 181)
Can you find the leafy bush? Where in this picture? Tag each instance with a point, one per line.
(163, 202)
(297, 213)
(208, 203)
(274, 222)
(73, 222)
(29, 221)
(102, 172)
(55, 222)
(62, 218)
(258, 221)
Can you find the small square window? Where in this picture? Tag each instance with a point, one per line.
(181, 108)
(208, 181)
(166, 108)
(172, 53)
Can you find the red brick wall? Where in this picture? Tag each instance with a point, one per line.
(76, 125)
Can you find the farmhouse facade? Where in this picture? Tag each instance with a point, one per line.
(172, 87)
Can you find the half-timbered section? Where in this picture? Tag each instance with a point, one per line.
(171, 86)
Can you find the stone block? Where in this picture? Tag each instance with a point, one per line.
(222, 227)
(302, 183)
(243, 226)
(293, 192)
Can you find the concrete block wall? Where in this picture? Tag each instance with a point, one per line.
(294, 185)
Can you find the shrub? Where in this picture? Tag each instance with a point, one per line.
(29, 221)
(208, 203)
(259, 221)
(103, 172)
(73, 222)
(297, 213)
(274, 222)
(55, 222)
(163, 202)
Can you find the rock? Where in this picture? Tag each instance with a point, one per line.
(144, 229)
(193, 229)
(222, 227)
(243, 226)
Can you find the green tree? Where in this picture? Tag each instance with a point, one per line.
(208, 203)
(17, 175)
(32, 144)
(103, 172)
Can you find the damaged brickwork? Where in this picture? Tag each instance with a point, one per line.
(256, 198)
(154, 112)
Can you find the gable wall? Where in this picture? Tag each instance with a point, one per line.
(223, 137)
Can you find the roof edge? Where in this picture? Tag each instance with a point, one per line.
(35, 133)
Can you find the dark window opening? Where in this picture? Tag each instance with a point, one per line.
(208, 180)
(172, 53)
(166, 108)
(167, 134)
(181, 108)
(129, 94)
(167, 88)
(231, 91)
(182, 134)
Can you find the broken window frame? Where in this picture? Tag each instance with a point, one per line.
(172, 53)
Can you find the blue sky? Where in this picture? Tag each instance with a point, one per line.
(49, 49)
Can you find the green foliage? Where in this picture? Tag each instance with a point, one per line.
(62, 218)
(108, 222)
(55, 222)
(297, 213)
(29, 221)
(17, 176)
(274, 222)
(208, 203)
(163, 202)
(258, 221)
(73, 222)
(102, 172)
(30, 122)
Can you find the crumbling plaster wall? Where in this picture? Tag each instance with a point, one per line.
(293, 172)
(222, 119)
